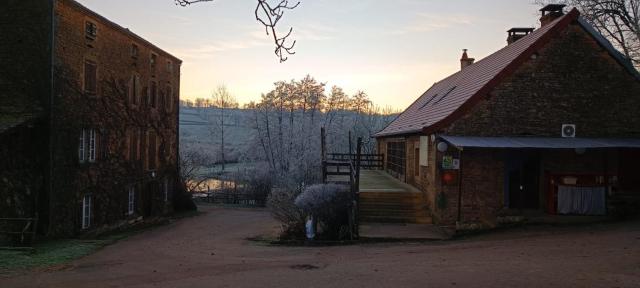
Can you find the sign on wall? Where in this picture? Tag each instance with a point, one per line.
(424, 150)
(448, 162)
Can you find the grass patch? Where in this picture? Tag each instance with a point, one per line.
(58, 252)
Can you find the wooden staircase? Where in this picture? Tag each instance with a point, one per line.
(393, 207)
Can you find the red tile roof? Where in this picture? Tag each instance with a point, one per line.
(454, 95)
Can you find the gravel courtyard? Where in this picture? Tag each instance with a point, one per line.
(211, 250)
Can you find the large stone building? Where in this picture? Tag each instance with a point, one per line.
(548, 125)
(89, 125)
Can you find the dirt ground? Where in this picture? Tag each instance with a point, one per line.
(211, 250)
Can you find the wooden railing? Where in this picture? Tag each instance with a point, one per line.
(367, 161)
(21, 230)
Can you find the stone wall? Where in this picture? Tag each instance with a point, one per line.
(116, 117)
(573, 80)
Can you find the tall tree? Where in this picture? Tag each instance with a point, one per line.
(617, 20)
(222, 100)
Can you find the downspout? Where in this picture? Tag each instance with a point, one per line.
(460, 185)
(51, 98)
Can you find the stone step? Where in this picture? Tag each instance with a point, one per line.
(395, 219)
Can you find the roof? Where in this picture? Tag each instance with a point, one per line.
(121, 29)
(453, 96)
(540, 142)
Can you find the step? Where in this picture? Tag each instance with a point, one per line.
(395, 219)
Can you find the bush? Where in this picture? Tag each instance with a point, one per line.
(330, 205)
(282, 206)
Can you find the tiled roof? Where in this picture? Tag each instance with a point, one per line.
(452, 96)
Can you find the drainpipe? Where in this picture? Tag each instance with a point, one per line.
(460, 185)
(51, 97)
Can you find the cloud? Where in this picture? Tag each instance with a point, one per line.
(427, 22)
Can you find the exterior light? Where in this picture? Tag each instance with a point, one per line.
(442, 146)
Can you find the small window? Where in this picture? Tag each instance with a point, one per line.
(86, 211)
(416, 162)
(169, 67)
(151, 150)
(90, 30)
(134, 90)
(153, 60)
(153, 94)
(131, 207)
(90, 77)
(134, 51)
(81, 146)
(168, 98)
(92, 145)
(133, 145)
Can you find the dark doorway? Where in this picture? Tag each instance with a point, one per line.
(524, 178)
(147, 198)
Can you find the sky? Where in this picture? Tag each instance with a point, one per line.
(392, 50)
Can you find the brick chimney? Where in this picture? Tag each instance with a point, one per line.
(465, 60)
(516, 33)
(551, 12)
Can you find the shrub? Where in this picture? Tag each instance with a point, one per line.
(282, 206)
(330, 205)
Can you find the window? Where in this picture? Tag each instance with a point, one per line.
(168, 98)
(87, 145)
(396, 157)
(153, 94)
(86, 211)
(92, 145)
(169, 67)
(90, 77)
(151, 150)
(81, 143)
(133, 145)
(134, 51)
(416, 162)
(132, 200)
(90, 30)
(134, 90)
(153, 60)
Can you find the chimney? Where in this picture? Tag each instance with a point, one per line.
(465, 60)
(516, 33)
(551, 12)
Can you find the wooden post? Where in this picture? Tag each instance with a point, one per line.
(350, 146)
(357, 166)
(323, 156)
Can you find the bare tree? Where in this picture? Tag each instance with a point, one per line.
(222, 100)
(268, 15)
(617, 20)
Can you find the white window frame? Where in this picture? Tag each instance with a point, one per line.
(86, 211)
(92, 145)
(81, 146)
(131, 207)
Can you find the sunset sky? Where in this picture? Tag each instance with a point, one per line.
(393, 50)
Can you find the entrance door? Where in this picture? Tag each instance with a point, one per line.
(523, 176)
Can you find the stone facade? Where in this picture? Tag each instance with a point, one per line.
(111, 107)
(572, 80)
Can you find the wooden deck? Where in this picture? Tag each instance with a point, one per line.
(380, 181)
(376, 181)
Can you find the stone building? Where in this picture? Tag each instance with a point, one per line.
(89, 119)
(547, 125)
